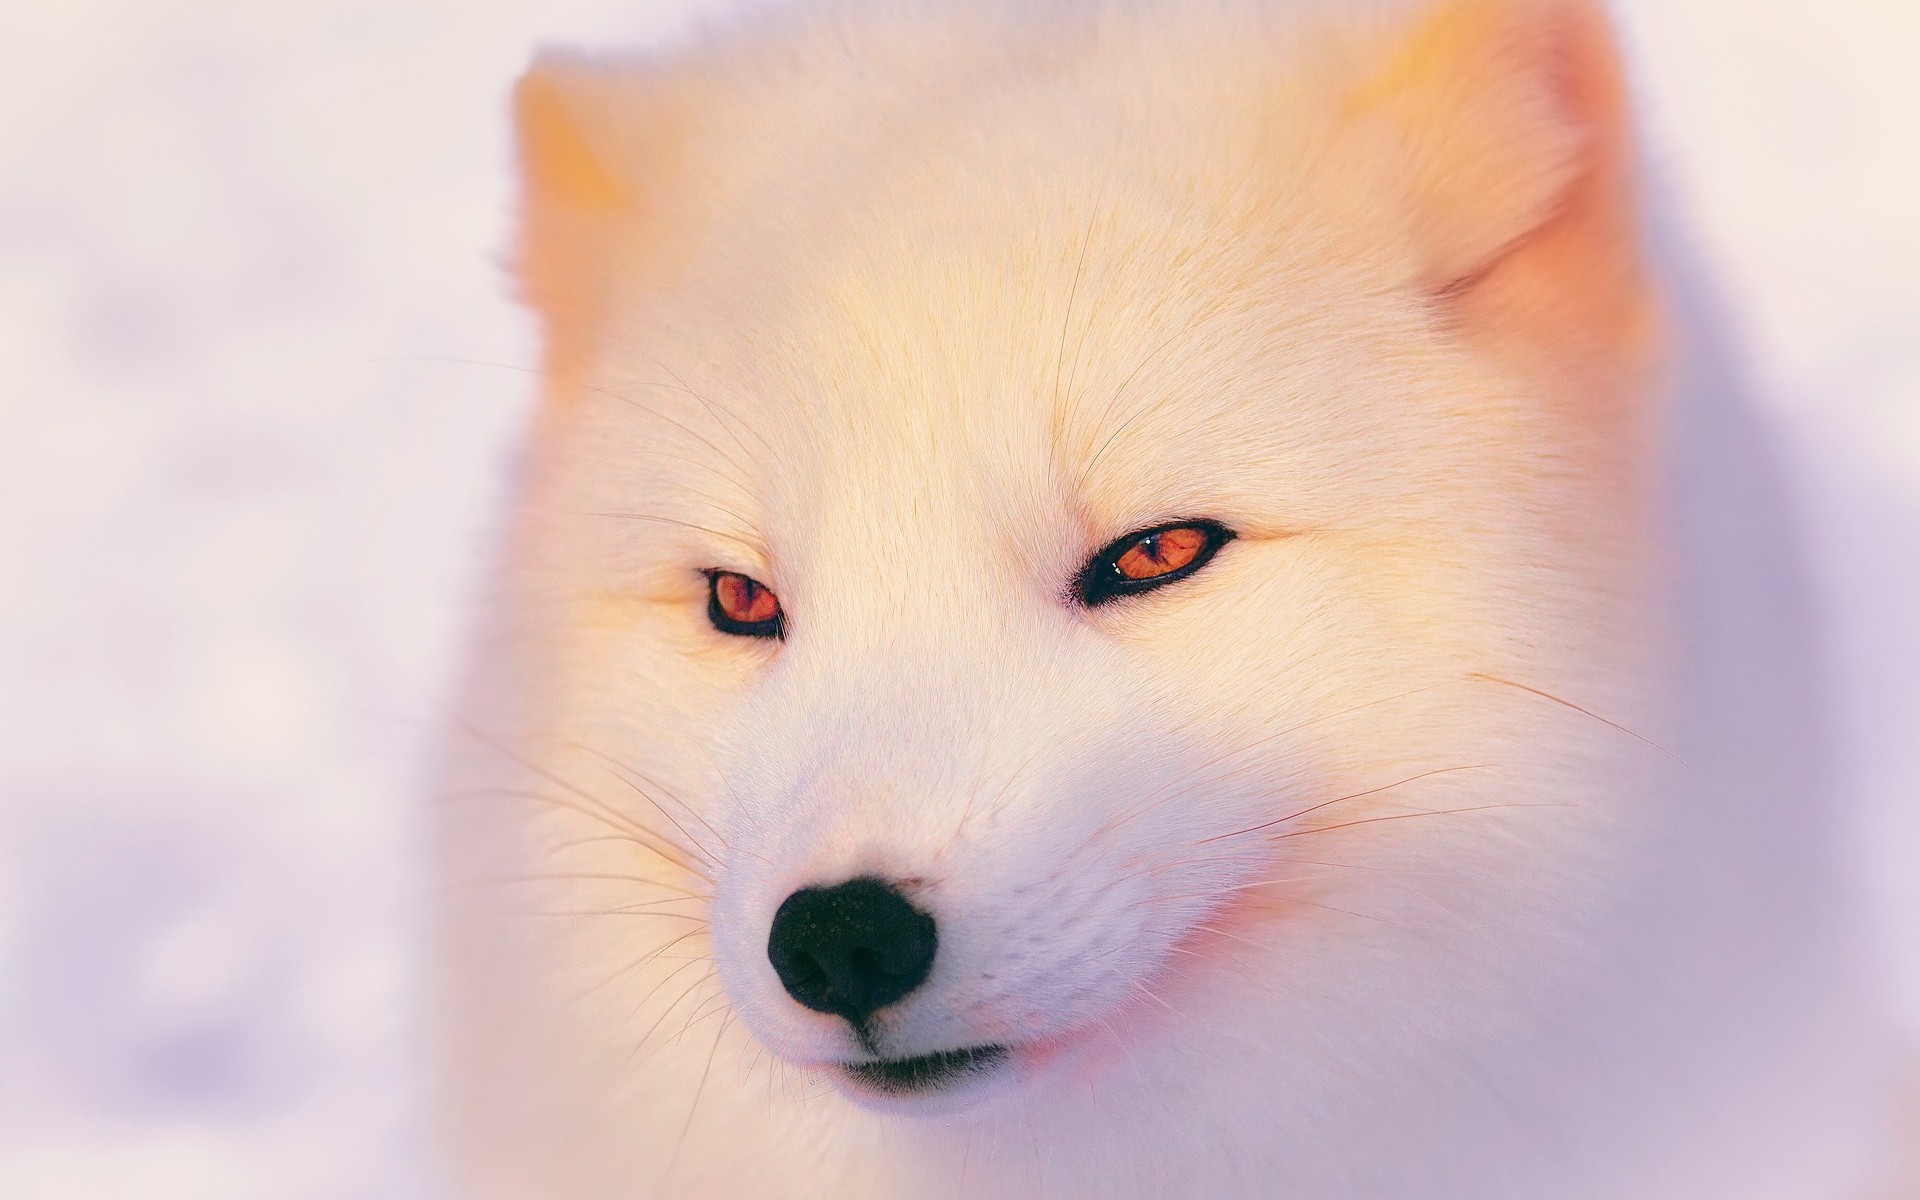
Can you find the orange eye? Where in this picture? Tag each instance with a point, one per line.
(1150, 558)
(1156, 554)
(740, 605)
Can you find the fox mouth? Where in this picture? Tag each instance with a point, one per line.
(926, 1073)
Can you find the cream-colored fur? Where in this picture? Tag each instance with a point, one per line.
(1457, 832)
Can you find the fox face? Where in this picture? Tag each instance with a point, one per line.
(1023, 565)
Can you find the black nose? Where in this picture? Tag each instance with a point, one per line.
(850, 950)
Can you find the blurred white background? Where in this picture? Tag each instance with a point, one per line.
(244, 496)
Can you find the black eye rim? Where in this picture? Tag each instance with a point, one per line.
(774, 628)
(1100, 581)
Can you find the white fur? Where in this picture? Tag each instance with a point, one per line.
(1456, 833)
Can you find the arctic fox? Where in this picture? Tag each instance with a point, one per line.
(1131, 599)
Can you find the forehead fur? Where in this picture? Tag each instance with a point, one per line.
(1050, 258)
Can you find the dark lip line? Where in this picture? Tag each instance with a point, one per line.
(926, 1072)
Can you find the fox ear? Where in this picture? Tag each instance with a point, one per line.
(1515, 159)
(595, 141)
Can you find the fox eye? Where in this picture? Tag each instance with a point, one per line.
(743, 606)
(1149, 558)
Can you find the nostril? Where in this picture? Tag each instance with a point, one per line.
(851, 949)
(807, 971)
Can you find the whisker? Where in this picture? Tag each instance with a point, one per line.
(699, 1011)
(1219, 932)
(655, 413)
(1066, 319)
(1438, 812)
(1006, 786)
(1461, 925)
(650, 781)
(620, 772)
(1349, 912)
(1168, 791)
(596, 877)
(636, 911)
(598, 390)
(714, 410)
(1395, 870)
(634, 965)
(1093, 310)
(558, 847)
(661, 1019)
(705, 497)
(659, 520)
(602, 815)
(1482, 677)
(1290, 817)
(700, 1014)
(641, 1004)
(611, 817)
(1199, 320)
(1215, 895)
(1148, 992)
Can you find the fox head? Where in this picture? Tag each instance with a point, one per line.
(1048, 530)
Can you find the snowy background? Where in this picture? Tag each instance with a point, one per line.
(244, 492)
